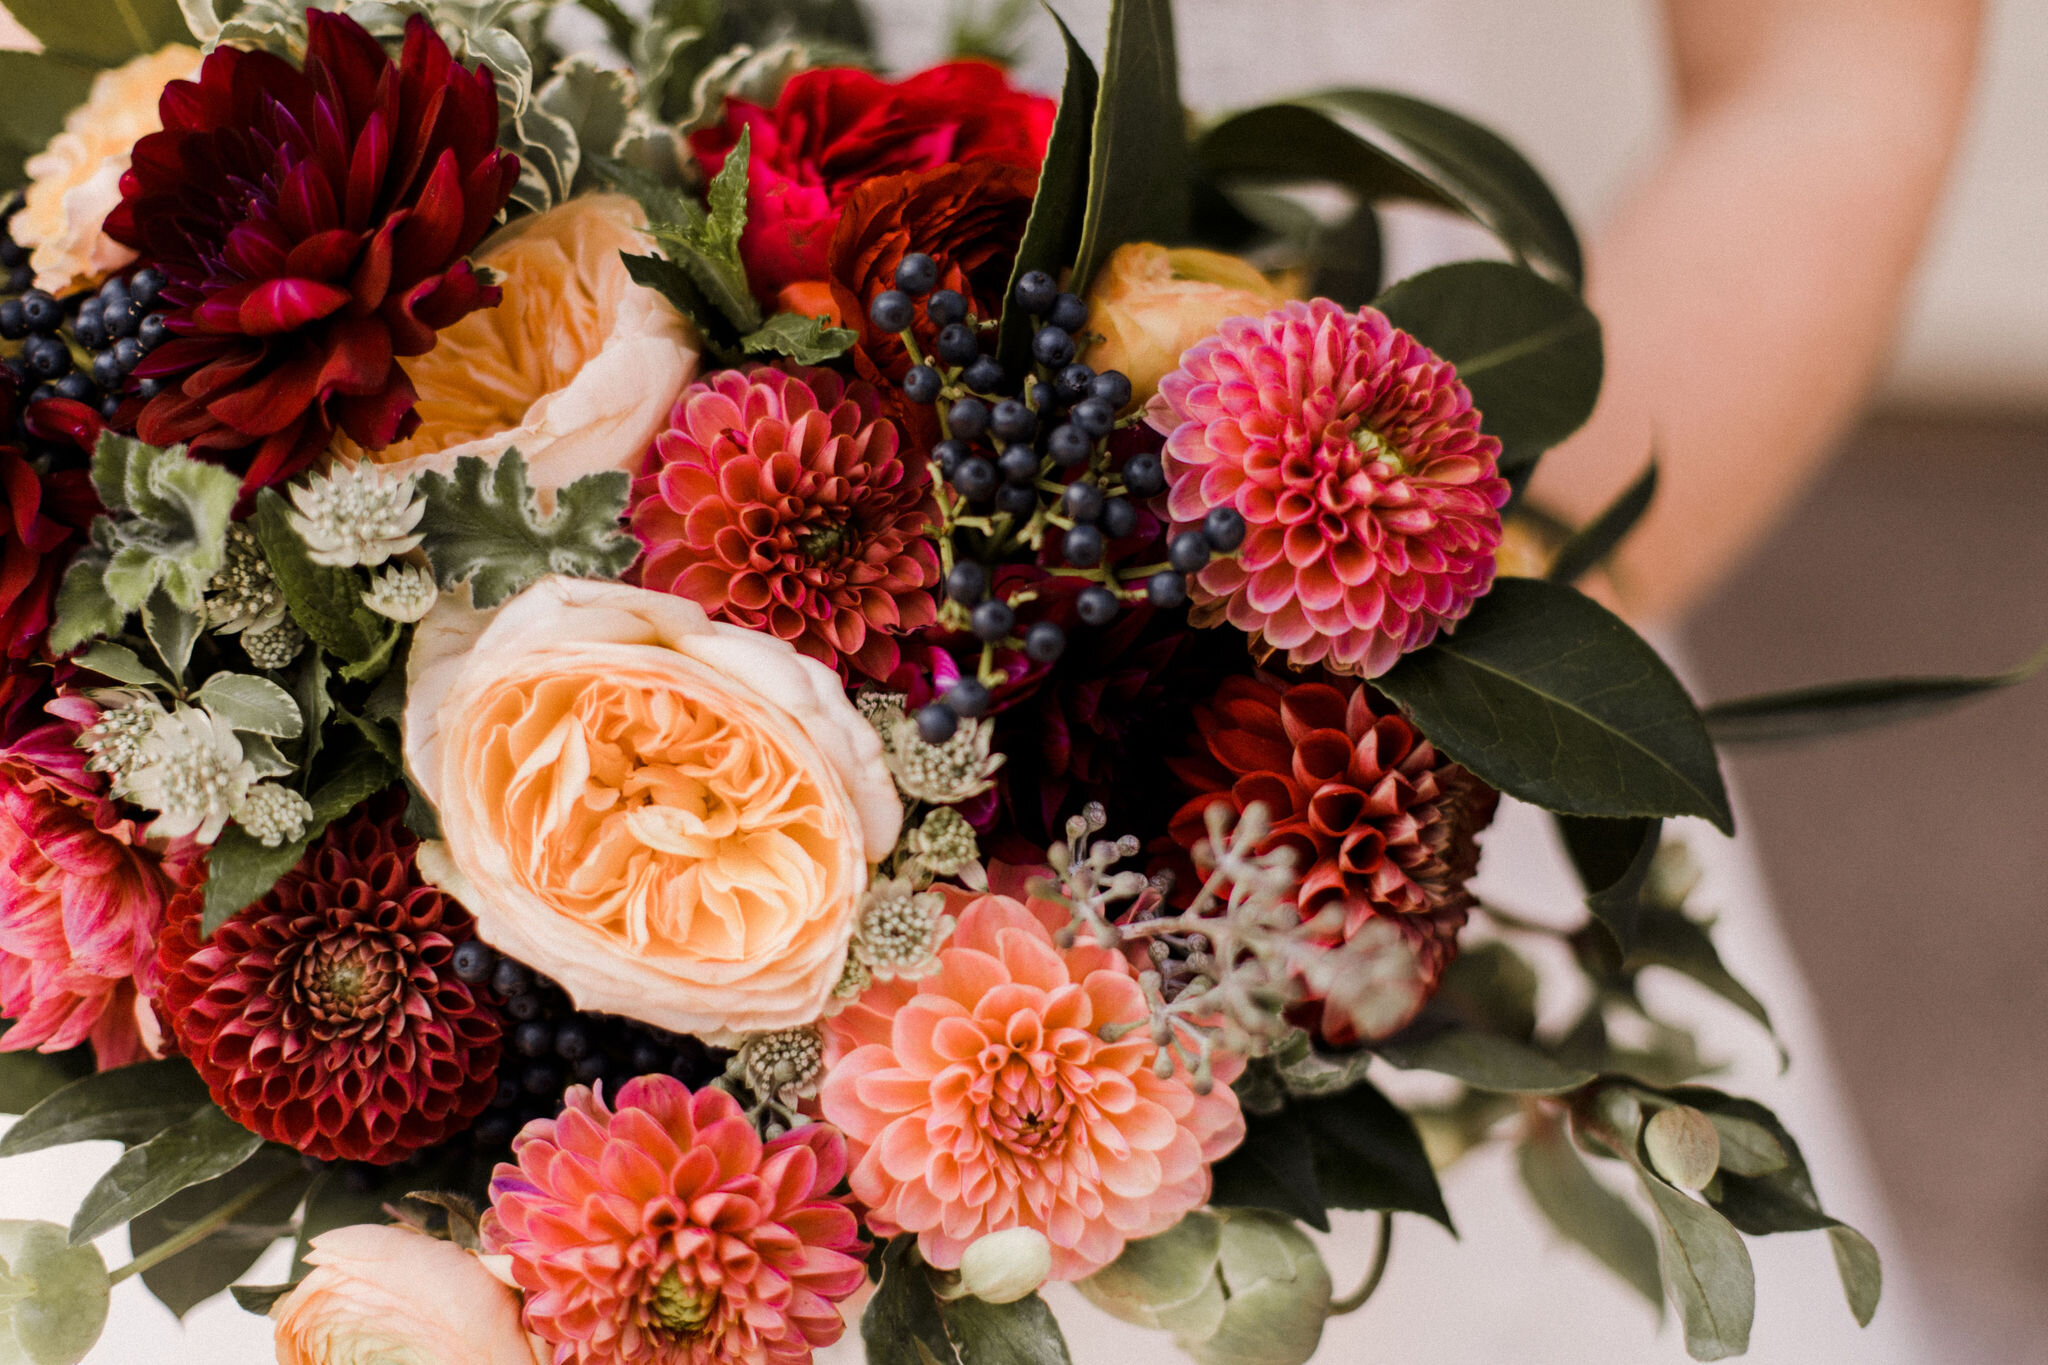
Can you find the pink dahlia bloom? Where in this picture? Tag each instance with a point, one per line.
(985, 1097)
(81, 896)
(779, 502)
(663, 1231)
(1370, 498)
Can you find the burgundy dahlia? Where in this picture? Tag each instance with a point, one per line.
(47, 502)
(328, 1015)
(310, 225)
(1382, 825)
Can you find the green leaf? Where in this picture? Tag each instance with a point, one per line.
(1545, 694)
(331, 1204)
(1483, 1061)
(259, 1298)
(128, 1104)
(1668, 938)
(1273, 1168)
(1052, 234)
(85, 609)
(673, 283)
(593, 103)
(241, 871)
(1613, 859)
(1586, 1211)
(250, 703)
(1747, 1147)
(1529, 350)
(207, 1145)
(1706, 1271)
(1138, 168)
(309, 693)
(120, 663)
(172, 632)
(707, 244)
(1589, 547)
(1354, 1149)
(28, 1078)
(484, 526)
(169, 521)
(1492, 988)
(102, 35)
(1020, 1333)
(263, 1194)
(1862, 1274)
(327, 602)
(1843, 708)
(902, 1325)
(37, 90)
(807, 341)
(63, 1288)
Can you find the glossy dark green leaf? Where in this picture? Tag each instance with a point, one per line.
(1550, 697)
(105, 33)
(204, 1146)
(1843, 708)
(127, 1104)
(673, 283)
(1483, 1061)
(1053, 233)
(28, 1078)
(1020, 1333)
(902, 1325)
(1529, 350)
(258, 1298)
(1613, 860)
(1369, 1156)
(1587, 1212)
(1706, 1272)
(1589, 548)
(263, 1193)
(1138, 161)
(1273, 1168)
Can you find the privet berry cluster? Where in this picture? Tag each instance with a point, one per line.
(85, 345)
(1024, 456)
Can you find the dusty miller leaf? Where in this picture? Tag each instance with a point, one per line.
(166, 527)
(484, 526)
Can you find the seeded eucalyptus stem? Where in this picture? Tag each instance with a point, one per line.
(201, 1229)
(1356, 1299)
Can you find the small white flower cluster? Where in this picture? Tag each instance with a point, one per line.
(942, 774)
(356, 514)
(276, 647)
(899, 930)
(244, 595)
(943, 844)
(274, 815)
(188, 765)
(784, 1067)
(402, 592)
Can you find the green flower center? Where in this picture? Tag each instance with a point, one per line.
(1374, 446)
(825, 542)
(681, 1309)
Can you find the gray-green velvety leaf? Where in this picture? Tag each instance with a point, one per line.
(1668, 938)
(85, 609)
(172, 632)
(127, 1104)
(206, 1145)
(484, 527)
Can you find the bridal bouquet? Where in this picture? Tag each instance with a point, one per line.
(671, 699)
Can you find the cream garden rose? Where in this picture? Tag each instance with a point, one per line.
(383, 1294)
(672, 817)
(76, 180)
(577, 366)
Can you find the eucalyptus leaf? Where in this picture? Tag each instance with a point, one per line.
(1589, 548)
(261, 1197)
(901, 1325)
(1706, 1271)
(1529, 350)
(485, 528)
(127, 1104)
(1587, 1212)
(1861, 1273)
(254, 704)
(55, 1304)
(204, 1146)
(1020, 1333)
(1483, 1061)
(1053, 232)
(120, 663)
(1138, 166)
(1546, 695)
(1843, 708)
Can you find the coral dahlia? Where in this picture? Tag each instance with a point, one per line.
(310, 225)
(780, 502)
(81, 896)
(1382, 825)
(989, 1095)
(661, 1230)
(328, 1015)
(1355, 457)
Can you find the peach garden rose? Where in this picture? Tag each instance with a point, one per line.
(673, 817)
(1150, 303)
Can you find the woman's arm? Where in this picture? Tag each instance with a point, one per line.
(1750, 286)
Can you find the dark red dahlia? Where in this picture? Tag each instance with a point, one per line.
(328, 1015)
(310, 225)
(47, 498)
(1382, 825)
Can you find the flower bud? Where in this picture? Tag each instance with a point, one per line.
(1149, 304)
(1005, 1266)
(53, 1296)
(1234, 1286)
(1683, 1146)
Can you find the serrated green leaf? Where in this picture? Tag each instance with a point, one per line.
(1587, 1212)
(1548, 696)
(65, 1306)
(673, 283)
(85, 609)
(707, 243)
(120, 663)
(250, 703)
(126, 1104)
(484, 527)
(202, 1147)
(172, 632)
(325, 601)
(1138, 159)
(1053, 232)
(258, 1199)
(807, 341)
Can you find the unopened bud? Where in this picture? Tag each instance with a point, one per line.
(1683, 1146)
(1005, 1266)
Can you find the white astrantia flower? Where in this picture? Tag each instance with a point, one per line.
(900, 930)
(192, 771)
(944, 843)
(244, 595)
(113, 743)
(275, 647)
(274, 815)
(942, 774)
(402, 592)
(356, 514)
(786, 1065)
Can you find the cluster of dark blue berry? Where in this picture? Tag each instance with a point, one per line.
(550, 1046)
(13, 255)
(1023, 455)
(84, 346)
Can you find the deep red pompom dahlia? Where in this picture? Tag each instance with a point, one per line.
(328, 1015)
(310, 226)
(1382, 825)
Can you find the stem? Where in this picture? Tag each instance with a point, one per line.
(202, 1229)
(1355, 1300)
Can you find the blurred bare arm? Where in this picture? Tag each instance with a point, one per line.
(1750, 287)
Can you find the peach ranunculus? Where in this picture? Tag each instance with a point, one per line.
(1150, 303)
(76, 180)
(577, 367)
(672, 817)
(380, 1294)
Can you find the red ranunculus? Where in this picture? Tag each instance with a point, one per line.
(833, 130)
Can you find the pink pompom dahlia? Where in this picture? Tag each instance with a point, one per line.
(780, 502)
(1370, 497)
(662, 1230)
(989, 1095)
